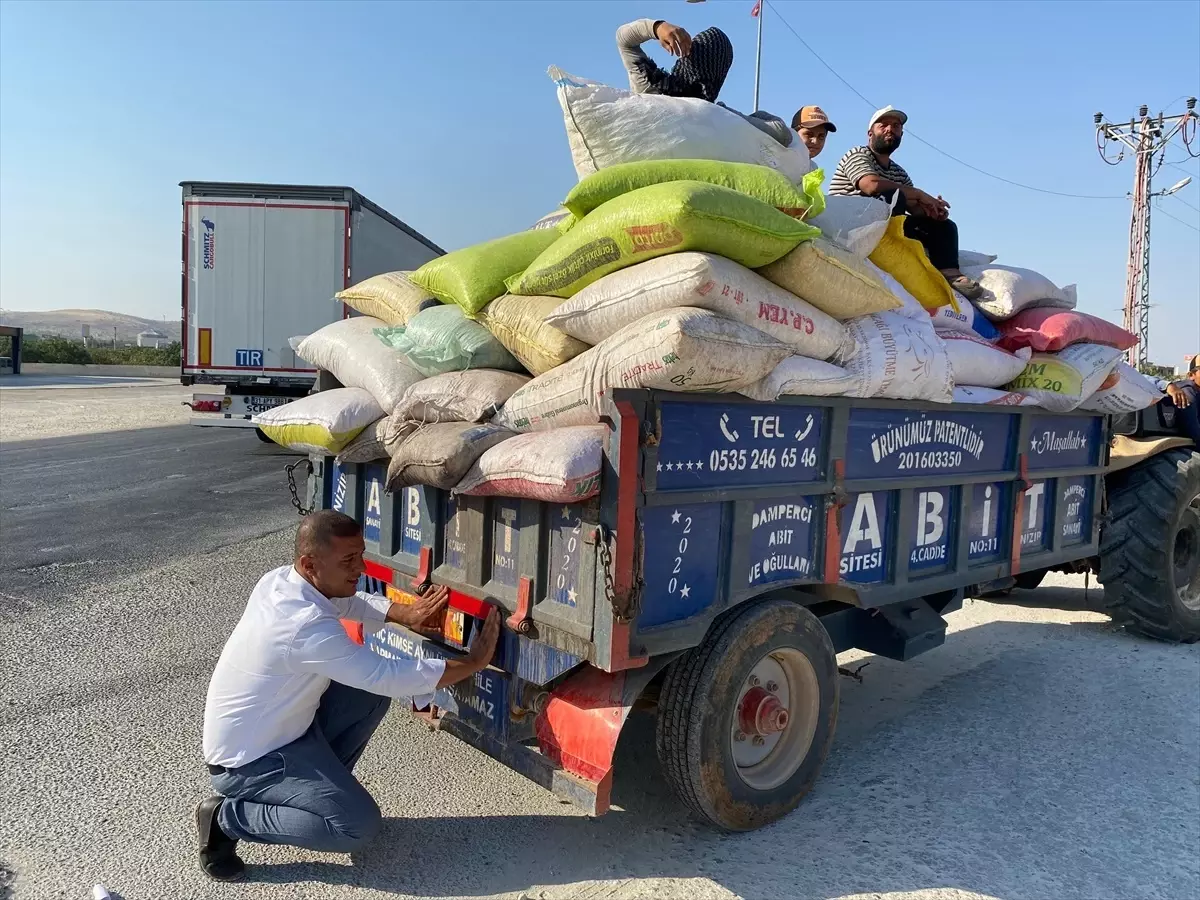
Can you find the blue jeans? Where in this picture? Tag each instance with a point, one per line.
(303, 793)
(1188, 419)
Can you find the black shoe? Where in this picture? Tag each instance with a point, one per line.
(218, 851)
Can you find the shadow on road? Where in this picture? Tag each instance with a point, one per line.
(1004, 763)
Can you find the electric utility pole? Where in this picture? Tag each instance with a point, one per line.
(1147, 136)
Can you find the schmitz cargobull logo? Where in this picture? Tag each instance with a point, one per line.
(210, 243)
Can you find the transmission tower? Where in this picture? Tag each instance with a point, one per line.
(1147, 136)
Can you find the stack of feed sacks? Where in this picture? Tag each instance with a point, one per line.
(694, 255)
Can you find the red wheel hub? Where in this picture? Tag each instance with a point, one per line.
(760, 712)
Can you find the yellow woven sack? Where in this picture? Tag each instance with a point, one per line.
(389, 297)
(906, 261)
(832, 279)
(518, 323)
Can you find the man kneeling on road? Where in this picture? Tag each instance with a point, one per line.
(868, 171)
(294, 700)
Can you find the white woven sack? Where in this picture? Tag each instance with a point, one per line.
(978, 363)
(703, 281)
(801, 376)
(1061, 381)
(990, 397)
(1007, 290)
(898, 357)
(1124, 390)
(971, 258)
(683, 349)
(607, 126)
(357, 358)
(856, 223)
(558, 467)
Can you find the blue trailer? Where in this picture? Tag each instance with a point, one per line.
(735, 547)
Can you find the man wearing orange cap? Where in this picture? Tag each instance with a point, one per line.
(813, 126)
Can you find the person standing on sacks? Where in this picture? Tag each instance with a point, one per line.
(704, 61)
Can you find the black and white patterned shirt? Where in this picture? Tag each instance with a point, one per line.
(861, 161)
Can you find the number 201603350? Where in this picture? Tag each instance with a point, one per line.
(764, 458)
(933, 459)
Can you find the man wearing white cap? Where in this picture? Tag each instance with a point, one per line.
(868, 171)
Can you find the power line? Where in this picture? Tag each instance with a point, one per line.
(917, 137)
(1185, 203)
(1158, 206)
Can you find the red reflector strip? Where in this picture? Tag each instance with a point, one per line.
(378, 572)
(470, 605)
(462, 602)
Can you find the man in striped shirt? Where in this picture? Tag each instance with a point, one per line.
(869, 171)
(704, 61)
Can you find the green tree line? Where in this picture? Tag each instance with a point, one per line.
(64, 350)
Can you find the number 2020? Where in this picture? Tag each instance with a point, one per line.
(683, 547)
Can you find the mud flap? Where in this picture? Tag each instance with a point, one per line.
(579, 728)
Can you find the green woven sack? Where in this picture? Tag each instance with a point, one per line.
(657, 220)
(474, 276)
(761, 182)
(442, 339)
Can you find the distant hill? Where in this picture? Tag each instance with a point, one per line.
(69, 323)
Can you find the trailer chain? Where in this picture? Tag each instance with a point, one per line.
(623, 614)
(301, 509)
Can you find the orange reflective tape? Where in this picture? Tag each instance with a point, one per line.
(204, 347)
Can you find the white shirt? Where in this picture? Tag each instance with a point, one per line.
(282, 655)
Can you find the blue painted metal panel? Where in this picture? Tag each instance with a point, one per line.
(1037, 517)
(1058, 442)
(414, 519)
(456, 546)
(866, 530)
(505, 532)
(374, 479)
(339, 500)
(681, 556)
(1076, 496)
(888, 442)
(987, 531)
(566, 536)
(717, 445)
(531, 661)
(781, 541)
(935, 513)
(482, 701)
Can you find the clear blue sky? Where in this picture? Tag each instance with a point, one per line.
(443, 114)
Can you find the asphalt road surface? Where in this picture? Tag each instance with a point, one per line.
(1038, 754)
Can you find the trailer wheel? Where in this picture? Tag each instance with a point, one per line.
(1150, 549)
(746, 719)
(262, 436)
(1030, 581)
